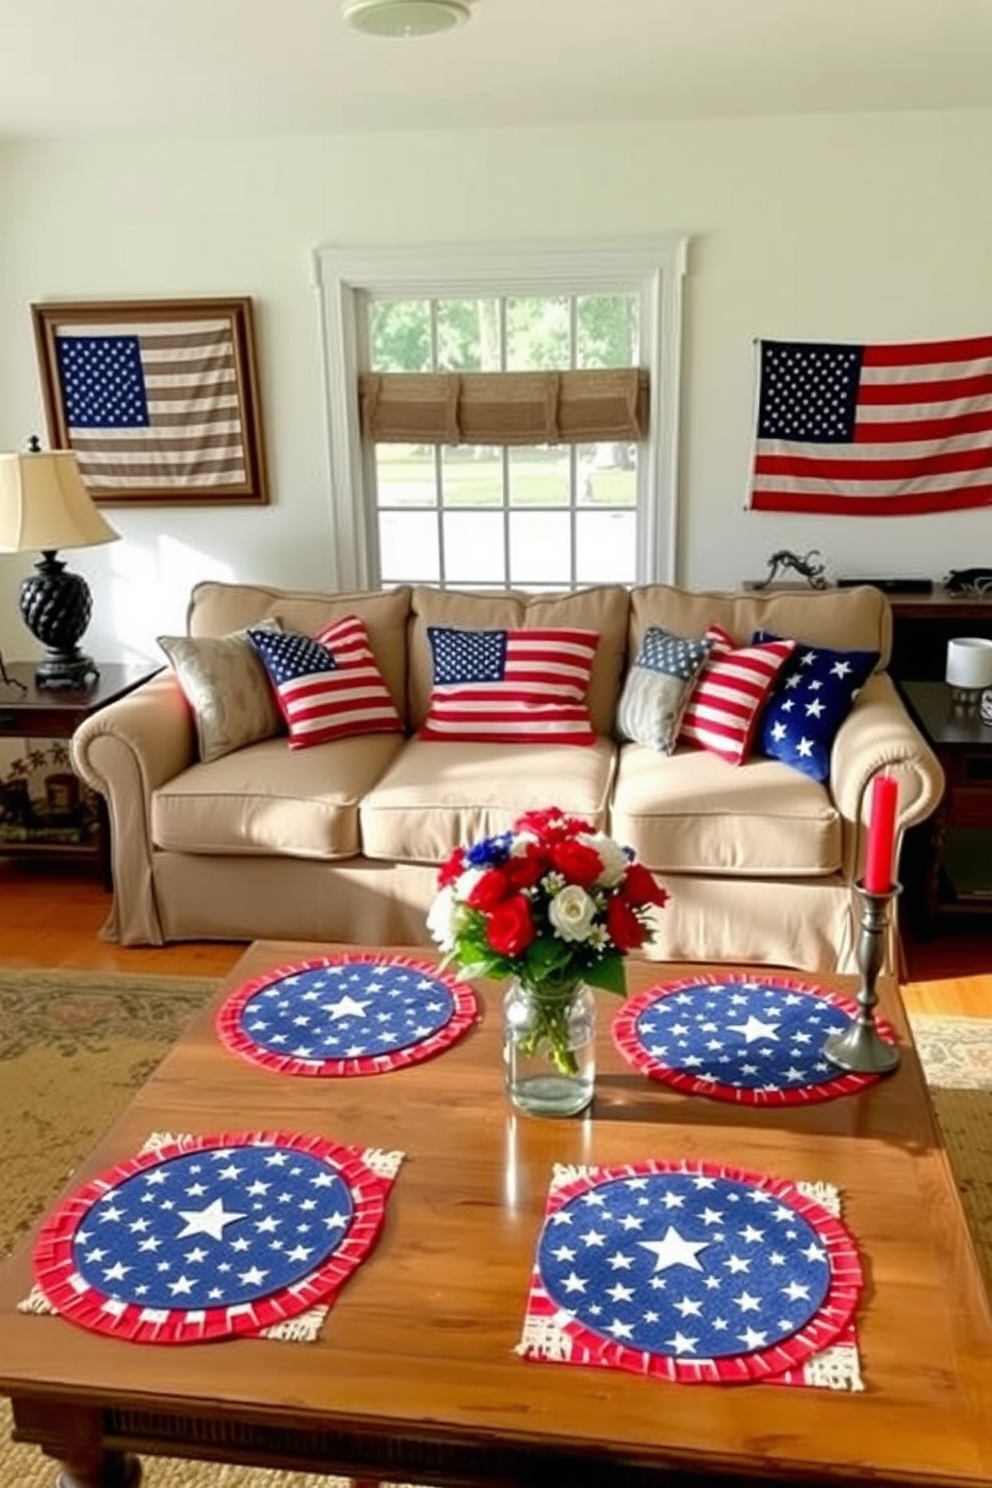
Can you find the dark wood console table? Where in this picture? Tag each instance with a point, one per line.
(922, 625)
(55, 713)
(950, 856)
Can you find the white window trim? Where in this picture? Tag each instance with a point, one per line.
(344, 275)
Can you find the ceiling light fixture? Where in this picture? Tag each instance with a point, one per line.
(405, 17)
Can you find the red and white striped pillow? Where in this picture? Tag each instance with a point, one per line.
(523, 686)
(328, 686)
(723, 708)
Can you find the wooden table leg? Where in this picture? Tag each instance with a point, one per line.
(73, 1435)
(104, 1470)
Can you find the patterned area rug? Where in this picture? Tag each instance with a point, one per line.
(74, 1047)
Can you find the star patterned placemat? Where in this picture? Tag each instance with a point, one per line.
(753, 1038)
(353, 1014)
(208, 1237)
(695, 1273)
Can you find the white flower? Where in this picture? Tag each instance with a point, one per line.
(466, 882)
(571, 913)
(611, 855)
(441, 919)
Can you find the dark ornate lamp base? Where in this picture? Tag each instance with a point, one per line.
(60, 669)
(56, 607)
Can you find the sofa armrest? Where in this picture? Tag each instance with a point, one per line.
(879, 735)
(125, 751)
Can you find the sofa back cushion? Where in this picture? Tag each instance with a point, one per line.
(846, 619)
(216, 608)
(604, 609)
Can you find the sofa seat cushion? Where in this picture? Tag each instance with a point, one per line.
(688, 813)
(265, 799)
(436, 796)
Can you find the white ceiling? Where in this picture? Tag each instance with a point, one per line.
(122, 67)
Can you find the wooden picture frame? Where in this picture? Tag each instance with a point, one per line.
(158, 398)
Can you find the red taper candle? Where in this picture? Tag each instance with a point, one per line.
(881, 845)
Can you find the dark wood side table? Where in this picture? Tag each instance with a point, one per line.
(956, 867)
(56, 713)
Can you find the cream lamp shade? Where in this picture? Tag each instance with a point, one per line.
(969, 669)
(44, 506)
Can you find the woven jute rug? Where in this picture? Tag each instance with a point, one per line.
(74, 1046)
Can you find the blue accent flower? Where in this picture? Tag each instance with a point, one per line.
(490, 852)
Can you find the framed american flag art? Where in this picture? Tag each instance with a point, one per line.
(158, 399)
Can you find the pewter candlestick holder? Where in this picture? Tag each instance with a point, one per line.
(860, 1047)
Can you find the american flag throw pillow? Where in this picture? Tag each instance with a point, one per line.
(511, 686)
(327, 687)
(723, 708)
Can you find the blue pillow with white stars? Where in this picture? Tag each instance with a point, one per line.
(813, 695)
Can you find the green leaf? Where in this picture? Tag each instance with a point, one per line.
(609, 974)
(470, 969)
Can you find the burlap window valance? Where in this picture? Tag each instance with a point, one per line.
(577, 407)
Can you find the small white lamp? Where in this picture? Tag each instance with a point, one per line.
(969, 671)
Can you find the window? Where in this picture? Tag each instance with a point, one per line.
(489, 511)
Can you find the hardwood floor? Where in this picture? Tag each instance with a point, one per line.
(50, 915)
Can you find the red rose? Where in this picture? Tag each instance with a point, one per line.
(526, 869)
(509, 928)
(626, 930)
(452, 868)
(488, 890)
(580, 863)
(641, 887)
(550, 825)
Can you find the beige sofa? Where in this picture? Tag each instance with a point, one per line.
(341, 841)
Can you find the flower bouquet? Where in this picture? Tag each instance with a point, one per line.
(552, 903)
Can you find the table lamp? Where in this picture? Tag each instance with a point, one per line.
(969, 671)
(44, 506)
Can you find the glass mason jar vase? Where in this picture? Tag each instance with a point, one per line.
(549, 1047)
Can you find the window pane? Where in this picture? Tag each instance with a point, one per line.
(468, 335)
(607, 474)
(605, 548)
(541, 548)
(474, 548)
(538, 334)
(540, 476)
(404, 475)
(400, 335)
(471, 476)
(408, 547)
(607, 331)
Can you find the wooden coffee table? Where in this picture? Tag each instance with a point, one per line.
(415, 1377)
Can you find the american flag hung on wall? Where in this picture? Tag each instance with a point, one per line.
(873, 431)
(155, 405)
(156, 398)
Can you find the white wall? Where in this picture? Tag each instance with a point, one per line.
(869, 228)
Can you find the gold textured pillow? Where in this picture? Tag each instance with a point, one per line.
(227, 688)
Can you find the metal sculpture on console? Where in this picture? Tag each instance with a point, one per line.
(809, 566)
